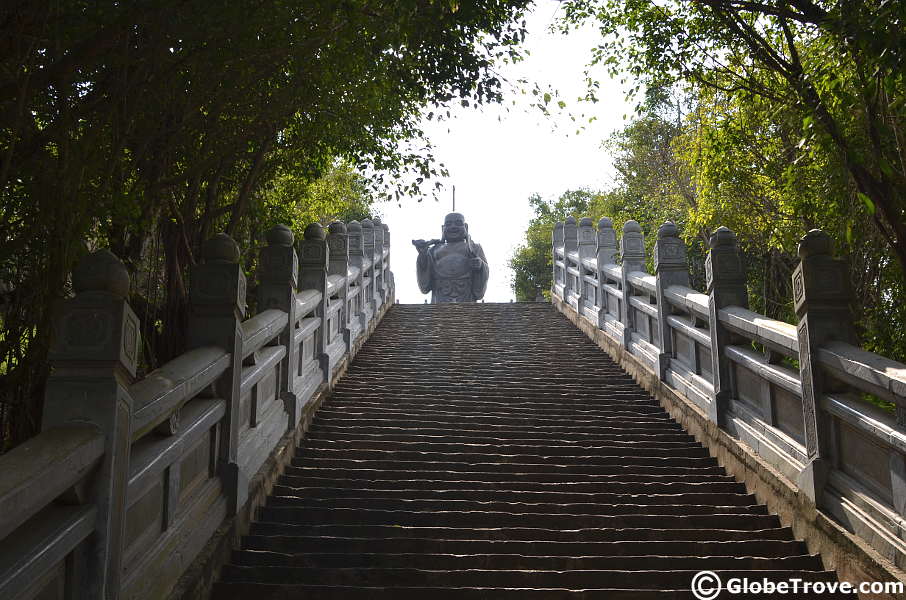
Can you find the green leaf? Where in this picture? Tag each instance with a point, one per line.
(869, 205)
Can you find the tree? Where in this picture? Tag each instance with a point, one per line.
(154, 124)
(837, 65)
(531, 262)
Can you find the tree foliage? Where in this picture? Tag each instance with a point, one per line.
(145, 125)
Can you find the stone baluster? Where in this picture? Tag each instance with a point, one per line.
(586, 241)
(726, 283)
(368, 250)
(607, 253)
(357, 259)
(93, 358)
(338, 264)
(558, 276)
(216, 310)
(822, 297)
(379, 274)
(670, 268)
(313, 276)
(632, 255)
(570, 244)
(388, 274)
(278, 273)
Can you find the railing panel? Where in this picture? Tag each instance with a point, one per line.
(44, 467)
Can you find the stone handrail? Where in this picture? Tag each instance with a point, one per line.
(129, 479)
(810, 421)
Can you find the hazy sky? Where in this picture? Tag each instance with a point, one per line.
(497, 159)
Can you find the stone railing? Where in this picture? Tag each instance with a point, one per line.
(795, 395)
(130, 479)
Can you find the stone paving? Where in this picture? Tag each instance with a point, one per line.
(492, 451)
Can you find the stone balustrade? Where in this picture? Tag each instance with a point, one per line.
(130, 478)
(795, 396)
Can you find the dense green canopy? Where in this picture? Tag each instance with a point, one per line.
(147, 126)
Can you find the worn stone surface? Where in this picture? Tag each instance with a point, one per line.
(528, 465)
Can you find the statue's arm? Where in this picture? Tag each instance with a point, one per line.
(480, 277)
(423, 272)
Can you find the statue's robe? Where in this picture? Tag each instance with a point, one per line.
(446, 271)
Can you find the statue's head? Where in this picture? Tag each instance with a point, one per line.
(455, 228)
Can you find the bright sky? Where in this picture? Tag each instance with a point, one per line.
(497, 159)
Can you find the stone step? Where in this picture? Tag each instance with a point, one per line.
(453, 465)
(452, 518)
(379, 450)
(471, 437)
(549, 508)
(626, 429)
(604, 424)
(299, 477)
(494, 578)
(269, 591)
(283, 541)
(803, 562)
(409, 470)
(527, 534)
(553, 496)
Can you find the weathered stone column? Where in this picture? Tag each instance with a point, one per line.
(388, 274)
(338, 264)
(374, 297)
(586, 243)
(632, 255)
(93, 359)
(822, 297)
(216, 310)
(359, 310)
(570, 244)
(278, 272)
(379, 274)
(726, 281)
(558, 281)
(670, 268)
(607, 253)
(313, 276)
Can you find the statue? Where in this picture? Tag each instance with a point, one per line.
(452, 268)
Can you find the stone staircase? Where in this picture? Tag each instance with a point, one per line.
(467, 454)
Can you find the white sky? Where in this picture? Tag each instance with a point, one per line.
(497, 164)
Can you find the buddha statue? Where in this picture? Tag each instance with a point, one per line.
(453, 268)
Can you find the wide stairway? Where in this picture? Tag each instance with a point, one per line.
(493, 451)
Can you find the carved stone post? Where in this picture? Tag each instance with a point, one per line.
(388, 274)
(338, 264)
(558, 276)
(822, 297)
(726, 281)
(278, 272)
(586, 243)
(670, 268)
(570, 244)
(374, 297)
(632, 254)
(216, 310)
(357, 260)
(313, 276)
(93, 358)
(379, 274)
(607, 255)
